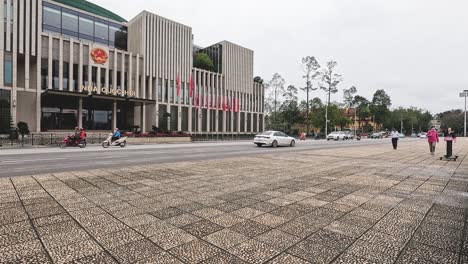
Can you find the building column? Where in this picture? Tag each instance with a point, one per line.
(114, 115)
(143, 117)
(80, 112)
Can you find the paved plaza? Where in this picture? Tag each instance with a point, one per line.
(359, 204)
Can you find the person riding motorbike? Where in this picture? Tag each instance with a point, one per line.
(82, 134)
(75, 137)
(116, 135)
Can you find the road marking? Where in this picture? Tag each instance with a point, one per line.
(29, 160)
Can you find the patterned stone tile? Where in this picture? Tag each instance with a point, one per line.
(298, 229)
(135, 251)
(278, 239)
(167, 213)
(270, 220)
(224, 258)
(207, 212)
(119, 238)
(195, 251)
(172, 238)
(247, 213)
(101, 257)
(226, 220)
(202, 228)
(225, 238)
(285, 258)
(253, 251)
(64, 254)
(313, 252)
(183, 220)
(250, 228)
(162, 258)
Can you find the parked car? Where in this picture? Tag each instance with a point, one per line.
(414, 135)
(376, 135)
(401, 135)
(274, 139)
(364, 135)
(336, 135)
(423, 135)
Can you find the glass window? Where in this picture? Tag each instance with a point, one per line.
(55, 74)
(70, 22)
(8, 69)
(85, 75)
(172, 91)
(51, 17)
(166, 91)
(44, 74)
(101, 32)
(159, 89)
(86, 27)
(111, 74)
(65, 76)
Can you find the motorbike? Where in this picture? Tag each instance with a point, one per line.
(358, 137)
(68, 141)
(122, 142)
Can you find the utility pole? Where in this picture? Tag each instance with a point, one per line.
(354, 121)
(326, 112)
(307, 103)
(401, 124)
(464, 94)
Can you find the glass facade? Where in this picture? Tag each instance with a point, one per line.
(71, 23)
(4, 111)
(8, 69)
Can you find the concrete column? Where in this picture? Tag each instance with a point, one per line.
(61, 63)
(114, 115)
(98, 79)
(143, 117)
(80, 112)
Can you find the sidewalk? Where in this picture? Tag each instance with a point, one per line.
(363, 204)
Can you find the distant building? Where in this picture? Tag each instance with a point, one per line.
(67, 63)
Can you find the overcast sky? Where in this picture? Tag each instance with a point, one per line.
(417, 50)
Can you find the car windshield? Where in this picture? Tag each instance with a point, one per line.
(333, 133)
(266, 133)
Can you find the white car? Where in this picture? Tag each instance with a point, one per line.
(336, 135)
(423, 135)
(274, 139)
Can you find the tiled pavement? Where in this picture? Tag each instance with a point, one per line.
(352, 205)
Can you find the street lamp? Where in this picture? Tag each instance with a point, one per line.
(464, 94)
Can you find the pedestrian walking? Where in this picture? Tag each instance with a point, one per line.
(433, 139)
(395, 136)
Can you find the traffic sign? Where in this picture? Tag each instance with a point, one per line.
(465, 94)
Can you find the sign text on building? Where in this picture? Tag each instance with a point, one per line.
(107, 91)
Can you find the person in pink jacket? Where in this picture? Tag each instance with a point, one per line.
(433, 139)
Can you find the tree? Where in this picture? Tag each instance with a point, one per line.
(380, 106)
(452, 119)
(258, 79)
(23, 130)
(336, 117)
(331, 81)
(311, 68)
(275, 88)
(203, 61)
(348, 96)
(362, 109)
(290, 94)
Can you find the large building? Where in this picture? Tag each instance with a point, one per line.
(68, 63)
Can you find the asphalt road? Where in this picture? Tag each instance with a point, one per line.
(16, 162)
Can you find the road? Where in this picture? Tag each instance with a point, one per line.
(17, 162)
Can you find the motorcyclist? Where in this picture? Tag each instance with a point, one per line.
(116, 135)
(82, 134)
(76, 136)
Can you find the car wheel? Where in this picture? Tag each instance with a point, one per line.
(274, 144)
(293, 143)
(259, 145)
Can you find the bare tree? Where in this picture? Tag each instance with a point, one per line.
(275, 89)
(348, 96)
(311, 69)
(330, 81)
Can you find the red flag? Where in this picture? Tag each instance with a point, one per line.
(195, 100)
(234, 105)
(228, 105)
(178, 85)
(217, 105)
(238, 105)
(224, 103)
(207, 103)
(191, 85)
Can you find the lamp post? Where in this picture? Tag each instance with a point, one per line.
(464, 94)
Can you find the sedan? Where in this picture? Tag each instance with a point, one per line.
(274, 139)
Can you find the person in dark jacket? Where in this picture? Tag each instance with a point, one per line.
(450, 138)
